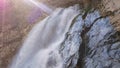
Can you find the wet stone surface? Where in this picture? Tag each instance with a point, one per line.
(91, 45)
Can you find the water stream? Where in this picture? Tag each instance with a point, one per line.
(65, 40)
(40, 50)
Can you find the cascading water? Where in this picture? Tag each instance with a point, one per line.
(40, 50)
(66, 40)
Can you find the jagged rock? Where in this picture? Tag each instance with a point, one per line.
(90, 44)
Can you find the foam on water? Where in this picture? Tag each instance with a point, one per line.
(41, 48)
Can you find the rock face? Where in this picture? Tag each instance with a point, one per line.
(112, 5)
(91, 44)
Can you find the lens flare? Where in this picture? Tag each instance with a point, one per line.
(2, 4)
(40, 5)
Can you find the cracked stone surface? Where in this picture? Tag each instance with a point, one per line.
(98, 47)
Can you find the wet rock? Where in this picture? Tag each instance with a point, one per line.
(91, 44)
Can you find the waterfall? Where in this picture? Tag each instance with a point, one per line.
(66, 40)
(41, 48)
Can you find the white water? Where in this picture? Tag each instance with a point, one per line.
(40, 50)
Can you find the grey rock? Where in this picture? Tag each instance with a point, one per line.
(90, 44)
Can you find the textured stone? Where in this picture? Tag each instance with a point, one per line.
(91, 46)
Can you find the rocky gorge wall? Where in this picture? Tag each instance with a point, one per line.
(91, 44)
(9, 48)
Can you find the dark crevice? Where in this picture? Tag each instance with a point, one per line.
(83, 50)
(83, 47)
